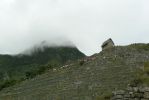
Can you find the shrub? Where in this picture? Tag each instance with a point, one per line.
(141, 46)
(41, 70)
(8, 83)
(30, 75)
(146, 67)
(142, 77)
(35, 72)
(136, 82)
(82, 62)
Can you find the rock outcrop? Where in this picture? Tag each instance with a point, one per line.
(108, 44)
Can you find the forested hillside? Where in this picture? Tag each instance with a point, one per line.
(17, 68)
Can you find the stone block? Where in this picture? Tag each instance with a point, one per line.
(136, 99)
(118, 97)
(143, 99)
(127, 96)
(129, 89)
(120, 92)
(146, 95)
(138, 95)
(141, 90)
(132, 95)
(146, 89)
(135, 89)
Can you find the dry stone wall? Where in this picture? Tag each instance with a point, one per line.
(132, 93)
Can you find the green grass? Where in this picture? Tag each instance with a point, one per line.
(104, 96)
(142, 76)
(10, 82)
(140, 46)
(146, 67)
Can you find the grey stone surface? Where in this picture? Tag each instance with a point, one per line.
(132, 93)
(108, 44)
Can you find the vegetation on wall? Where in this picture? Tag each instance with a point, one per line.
(140, 46)
(142, 76)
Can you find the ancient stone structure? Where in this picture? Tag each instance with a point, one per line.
(132, 93)
(107, 44)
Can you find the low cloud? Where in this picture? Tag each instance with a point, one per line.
(87, 23)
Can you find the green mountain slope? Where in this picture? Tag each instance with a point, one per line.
(19, 67)
(87, 79)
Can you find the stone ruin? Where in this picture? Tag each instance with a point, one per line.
(108, 44)
(132, 93)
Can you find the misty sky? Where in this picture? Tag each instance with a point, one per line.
(87, 23)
